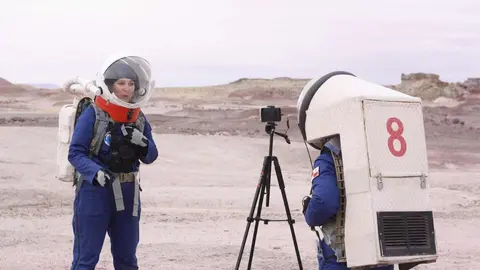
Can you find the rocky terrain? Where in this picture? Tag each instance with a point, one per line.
(451, 110)
(198, 193)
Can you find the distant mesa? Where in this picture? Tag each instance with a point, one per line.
(29, 86)
(241, 80)
(254, 80)
(4, 82)
(45, 85)
(427, 86)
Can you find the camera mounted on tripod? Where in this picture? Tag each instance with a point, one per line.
(271, 115)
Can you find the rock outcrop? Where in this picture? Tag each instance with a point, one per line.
(428, 86)
(472, 85)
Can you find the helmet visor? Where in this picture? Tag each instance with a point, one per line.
(134, 68)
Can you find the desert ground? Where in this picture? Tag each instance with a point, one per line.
(197, 195)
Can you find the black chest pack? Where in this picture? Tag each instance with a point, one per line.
(123, 154)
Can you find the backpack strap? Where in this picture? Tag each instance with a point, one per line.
(334, 230)
(102, 121)
(140, 122)
(100, 127)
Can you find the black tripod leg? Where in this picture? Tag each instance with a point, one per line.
(266, 173)
(268, 176)
(281, 184)
(258, 192)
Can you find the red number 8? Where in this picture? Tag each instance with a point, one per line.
(396, 135)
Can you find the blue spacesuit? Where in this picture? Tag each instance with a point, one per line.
(324, 204)
(95, 210)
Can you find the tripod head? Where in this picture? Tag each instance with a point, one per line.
(271, 115)
(270, 129)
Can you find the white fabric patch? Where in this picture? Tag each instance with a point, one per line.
(315, 172)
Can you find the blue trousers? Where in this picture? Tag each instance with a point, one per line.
(328, 261)
(95, 215)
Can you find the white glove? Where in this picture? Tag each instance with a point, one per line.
(134, 135)
(104, 178)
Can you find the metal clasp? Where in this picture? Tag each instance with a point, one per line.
(379, 181)
(423, 181)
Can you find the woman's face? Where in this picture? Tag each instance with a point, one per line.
(123, 89)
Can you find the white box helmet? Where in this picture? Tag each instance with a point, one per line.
(388, 216)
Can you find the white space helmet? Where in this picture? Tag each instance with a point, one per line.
(135, 68)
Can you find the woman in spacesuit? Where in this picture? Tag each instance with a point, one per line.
(110, 138)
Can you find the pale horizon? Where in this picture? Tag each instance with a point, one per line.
(196, 43)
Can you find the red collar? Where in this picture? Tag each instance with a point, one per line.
(116, 112)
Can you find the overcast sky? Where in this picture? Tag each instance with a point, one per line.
(217, 41)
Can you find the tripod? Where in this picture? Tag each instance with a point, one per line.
(264, 183)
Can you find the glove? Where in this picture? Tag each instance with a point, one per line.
(103, 178)
(134, 136)
(305, 202)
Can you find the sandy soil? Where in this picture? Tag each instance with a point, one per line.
(196, 197)
(195, 205)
